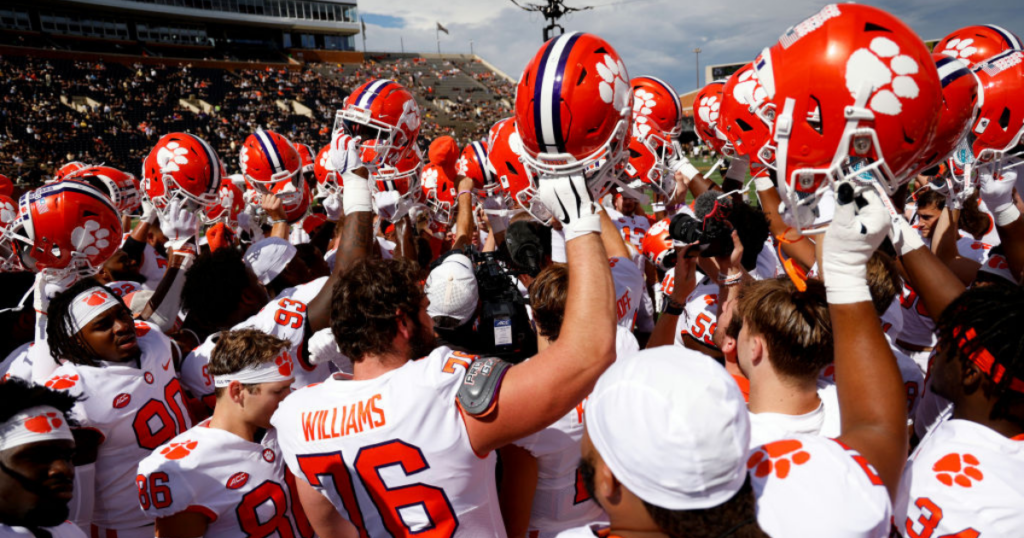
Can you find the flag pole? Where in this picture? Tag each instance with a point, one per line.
(437, 31)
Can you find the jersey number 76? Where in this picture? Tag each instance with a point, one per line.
(386, 501)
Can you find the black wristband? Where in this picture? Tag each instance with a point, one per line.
(673, 307)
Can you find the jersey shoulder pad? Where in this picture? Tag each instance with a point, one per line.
(479, 390)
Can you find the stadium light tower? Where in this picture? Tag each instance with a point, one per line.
(552, 12)
(697, 52)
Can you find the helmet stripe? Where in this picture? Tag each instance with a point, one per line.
(549, 90)
(671, 92)
(951, 69)
(269, 149)
(82, 188)
(211, 155)
(371, 92)
(1010, 38)
(481, 157)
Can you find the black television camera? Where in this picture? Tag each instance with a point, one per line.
(504, 328)
(710, 229)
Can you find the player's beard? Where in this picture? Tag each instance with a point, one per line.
(422, 341)
(47, 511)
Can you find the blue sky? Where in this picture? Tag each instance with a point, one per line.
(654, 37)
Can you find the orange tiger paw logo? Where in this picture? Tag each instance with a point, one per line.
(958, 469)
(45, 423)
(284, 364)
(781, 456)
(176, 451)
(62, 382)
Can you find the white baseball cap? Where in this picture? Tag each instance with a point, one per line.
(268, 257)
(451, 289)
(672, 426)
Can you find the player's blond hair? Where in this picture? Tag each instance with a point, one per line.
(795, 324)
(239, 348)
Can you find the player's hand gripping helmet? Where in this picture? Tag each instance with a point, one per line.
(439, 193)
(385, 116)
(119, 186)
(227, 208)
(745, 117)
(271, 165)
(66, 228)
(183, 167)
(473, 164)
(298, 209)
(573, 111)
(516, 179)
(707, 106)
(658, 247)
(403, 179)
(975, 44)
(328, 181)
(997, 130)
(865, 110)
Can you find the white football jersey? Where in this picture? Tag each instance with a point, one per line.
(560, 501)
(770, 427)
(963, 480)
(17, 364)
(918, 326)
(392, 453)
(809, 485)
(700, 317)
(304, 292)
(632, 227)
(242, 487)
(629, 288)
(284, 318)
(64, 530)
(136, 410)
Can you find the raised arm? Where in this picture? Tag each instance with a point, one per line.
(357, 236)
(464, 223)
(933, 281)
(536, 393)
(997, 193)
(871, 395)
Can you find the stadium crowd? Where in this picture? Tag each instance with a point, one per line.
(129, 102)
(560, 328)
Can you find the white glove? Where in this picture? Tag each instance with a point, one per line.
(149, 214)
(344, 153)
(298, 236)
(179, 224)
(47, 286)
(386, 203)
(908, 240)
(852, 237)
(763, 182)
(682, 165)
(997, 193)
(569, 201)
(248, 223)
(323, 348)
(357, 194)
(332, 207)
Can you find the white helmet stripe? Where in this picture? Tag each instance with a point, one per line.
(214, 165)
(548, 75)
(481, 157)
(270, 150)
(1008, 36)
(369, 92)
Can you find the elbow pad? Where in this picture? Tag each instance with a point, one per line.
(479, 390)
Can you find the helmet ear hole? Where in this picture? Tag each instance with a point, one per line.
(583, 75)
(1004, 118)
(814, 116)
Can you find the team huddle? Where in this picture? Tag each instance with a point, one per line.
(565, 330)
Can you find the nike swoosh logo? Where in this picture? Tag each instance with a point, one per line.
(167, 364)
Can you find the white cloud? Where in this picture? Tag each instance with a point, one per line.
(654, 37)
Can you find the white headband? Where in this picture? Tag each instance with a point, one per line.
(34, 425)
(89, 304)
(279, 369)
